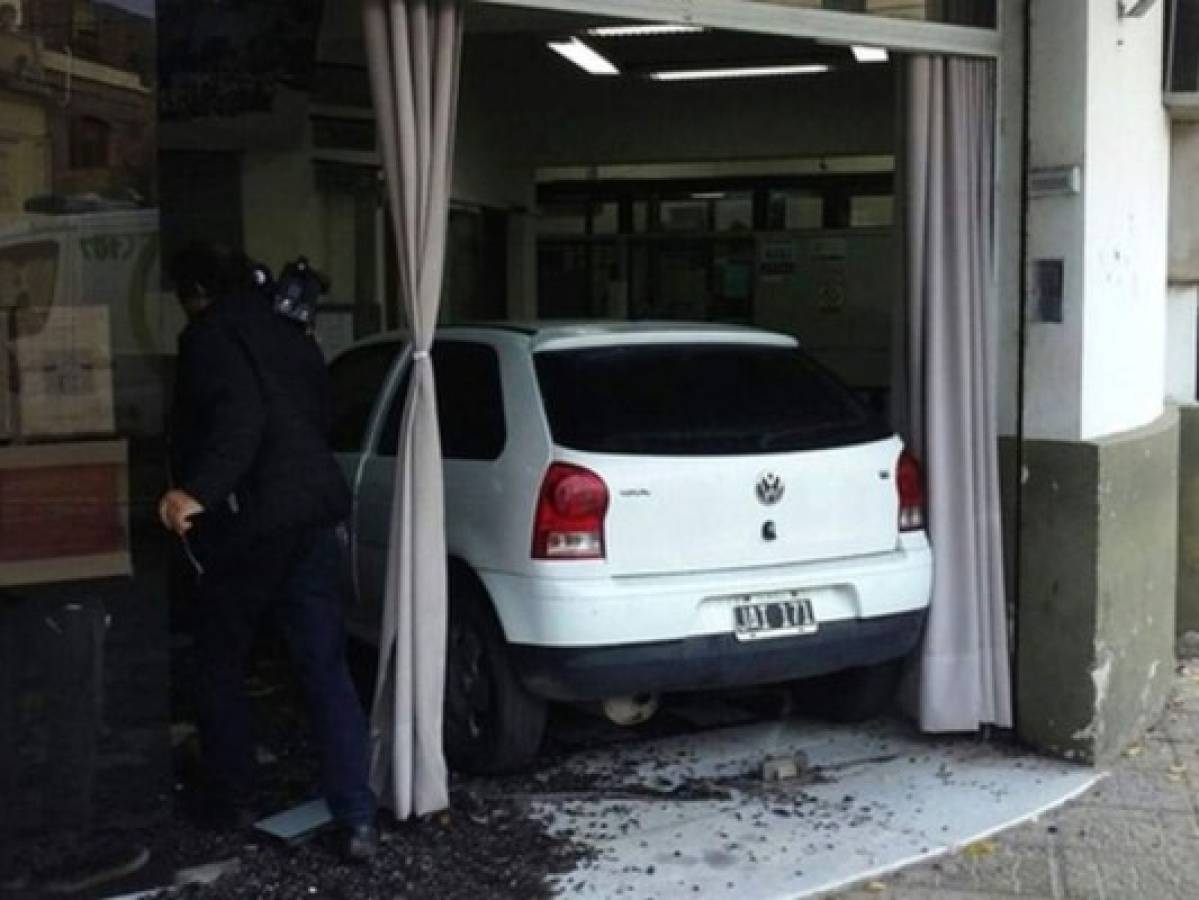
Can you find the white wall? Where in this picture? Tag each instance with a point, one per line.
(1057, 137)
(1096, 102)
(1128, 165)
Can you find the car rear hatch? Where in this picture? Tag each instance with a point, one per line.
(721, 455)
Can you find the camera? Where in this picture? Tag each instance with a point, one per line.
(294, 294)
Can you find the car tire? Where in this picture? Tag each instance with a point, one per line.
(492, 723)
(852, 695)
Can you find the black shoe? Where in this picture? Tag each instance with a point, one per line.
(360, 843)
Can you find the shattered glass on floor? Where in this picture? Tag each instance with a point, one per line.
(693, 816)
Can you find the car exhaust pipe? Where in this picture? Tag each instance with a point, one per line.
(631, 710)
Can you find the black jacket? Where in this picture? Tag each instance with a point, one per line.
(251, 421)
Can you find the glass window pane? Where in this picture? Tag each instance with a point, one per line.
(605, 218)
(357, 378)
(683, 215)
(640, 216)
(1183, 47)
(471, 400)
(562, 218)
(563, 286)
(692, 399)
(791, 210)
(871, 211)
(735, 211)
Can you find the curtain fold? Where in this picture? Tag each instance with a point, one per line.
(413, 52)
(946, 403)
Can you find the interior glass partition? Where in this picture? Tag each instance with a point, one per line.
(972, 13)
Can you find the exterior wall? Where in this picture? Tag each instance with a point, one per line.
(1126, 217)
(1111, 236)
(1098, 524)
(1187, 624)
(1184, 212)
(1182, 343)
(1057, 137)
(1096, 625)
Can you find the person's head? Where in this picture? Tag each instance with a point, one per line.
(203, 271)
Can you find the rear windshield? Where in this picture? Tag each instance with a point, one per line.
(698, 399)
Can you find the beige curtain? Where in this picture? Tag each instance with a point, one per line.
(413, 49)
(946, 390)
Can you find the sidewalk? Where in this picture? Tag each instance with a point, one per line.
(1135, 836)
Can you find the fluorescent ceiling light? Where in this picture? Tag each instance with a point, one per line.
(708, 195)
(869, 54)
(744, 72)
(584, 57)
(619, 31)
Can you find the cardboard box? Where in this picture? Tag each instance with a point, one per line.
(64, 372)
(64, 512)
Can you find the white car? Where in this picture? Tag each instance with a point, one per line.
(636, 509)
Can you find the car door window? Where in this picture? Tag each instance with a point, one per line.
(470, 404)
(358, 378)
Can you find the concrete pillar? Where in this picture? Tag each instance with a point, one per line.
(1099, 481)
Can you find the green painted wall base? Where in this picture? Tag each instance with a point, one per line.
(1188, 529)
(1098, 561)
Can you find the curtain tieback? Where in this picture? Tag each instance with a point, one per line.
(418, 355)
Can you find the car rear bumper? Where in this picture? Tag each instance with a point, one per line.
(561, 612)
(713, 661)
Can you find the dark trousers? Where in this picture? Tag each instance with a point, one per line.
(299, 578)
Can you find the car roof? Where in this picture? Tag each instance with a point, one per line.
(557, 335)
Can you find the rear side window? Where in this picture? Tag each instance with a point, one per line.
(697, 400)
(358, 378)
(470, 403)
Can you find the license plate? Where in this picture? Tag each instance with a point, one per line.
(773, 615)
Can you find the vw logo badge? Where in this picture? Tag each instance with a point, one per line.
(770, 489)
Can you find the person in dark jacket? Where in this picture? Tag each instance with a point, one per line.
(258, 499)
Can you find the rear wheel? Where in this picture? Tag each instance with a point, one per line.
(492, 724)
(853, 695)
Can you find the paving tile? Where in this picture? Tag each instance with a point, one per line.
(923, 893)
(1134, 836)
(1181, 725)
(1145, 788)
(1147, 832)
(1106, 873)
(1011, 870)
(1154, 753)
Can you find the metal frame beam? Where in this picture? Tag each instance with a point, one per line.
(767, 18)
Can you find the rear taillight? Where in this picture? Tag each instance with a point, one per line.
(911, 493)
(569, 522)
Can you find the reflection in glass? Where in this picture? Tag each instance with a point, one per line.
(85, 343)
